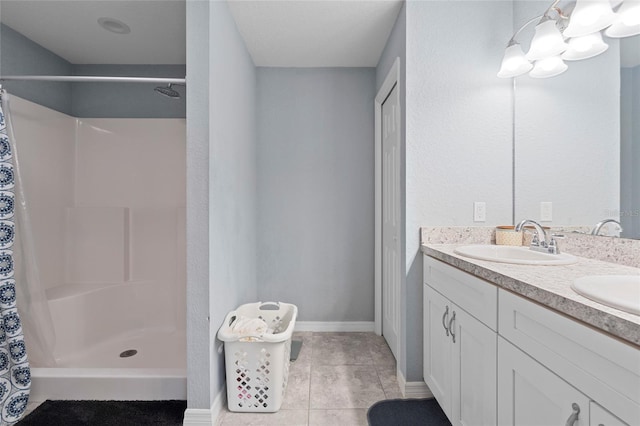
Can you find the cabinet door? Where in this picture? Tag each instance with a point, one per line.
(531, 395)
(474, 386)
(601, 417)
(437, 347)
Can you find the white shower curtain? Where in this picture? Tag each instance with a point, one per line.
(25, 320)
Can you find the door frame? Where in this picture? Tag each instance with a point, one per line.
(391, 80)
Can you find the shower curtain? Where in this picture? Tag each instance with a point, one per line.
(18, 280)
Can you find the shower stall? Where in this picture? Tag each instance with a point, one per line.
(105, 200)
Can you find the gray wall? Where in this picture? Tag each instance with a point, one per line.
(221, 189)
(232, 172)
(21, 56)
(126, 100)
(630, 152)
(315, 186)
(396, 47)
(458, 131)
(199, 330)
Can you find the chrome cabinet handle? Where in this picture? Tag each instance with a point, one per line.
(453, 317)
(444, 321)
(573, 418)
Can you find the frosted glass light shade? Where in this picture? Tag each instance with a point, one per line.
(514, 62)
(546, 42)
(588, 17)
(627, 22)
(585, 47)
(548, 67)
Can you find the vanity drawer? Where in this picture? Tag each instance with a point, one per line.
(603, 368)
(476, 296)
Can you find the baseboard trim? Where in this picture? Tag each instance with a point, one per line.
(328, 326)
(413, 389)
(203, 416)
(197, 417)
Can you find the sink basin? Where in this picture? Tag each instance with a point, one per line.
(618, 291)
(513, 254)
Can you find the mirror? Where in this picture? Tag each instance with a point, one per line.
(630, 137)
(576, 144)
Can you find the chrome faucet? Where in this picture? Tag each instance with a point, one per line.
(600, 224)
(539, 241)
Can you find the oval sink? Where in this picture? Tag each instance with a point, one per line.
(618, 291)
(513, 254)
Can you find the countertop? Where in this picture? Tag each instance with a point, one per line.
(551, 287)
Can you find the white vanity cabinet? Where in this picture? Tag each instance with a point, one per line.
(459, 349)
(548, 362)
(515, 362)
(598, 416)
(531, 395)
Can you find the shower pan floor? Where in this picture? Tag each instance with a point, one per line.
(159, 348)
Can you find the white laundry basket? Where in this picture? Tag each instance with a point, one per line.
(258, 366)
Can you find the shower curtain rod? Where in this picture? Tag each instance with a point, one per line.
(94, 79)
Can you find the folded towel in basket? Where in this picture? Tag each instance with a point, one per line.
(250, 327)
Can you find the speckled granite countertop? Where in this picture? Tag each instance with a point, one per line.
(551, 286)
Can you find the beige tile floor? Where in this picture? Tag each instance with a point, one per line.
(335, 379)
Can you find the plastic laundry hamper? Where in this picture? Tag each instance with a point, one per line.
(258, 366)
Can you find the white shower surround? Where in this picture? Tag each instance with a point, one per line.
(107, 204)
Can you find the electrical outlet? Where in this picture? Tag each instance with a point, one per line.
(479, 211)
(546, 211)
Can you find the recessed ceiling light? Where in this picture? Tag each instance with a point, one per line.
(113, 25)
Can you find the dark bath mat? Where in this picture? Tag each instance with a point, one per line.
(407, 412)
(106, 413)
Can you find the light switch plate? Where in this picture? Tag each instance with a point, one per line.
(479, 211)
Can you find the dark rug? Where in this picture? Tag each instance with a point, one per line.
(407, 412)
(106, 413)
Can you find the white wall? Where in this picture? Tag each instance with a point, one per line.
(46, 150)
(106, 199)
(130, 183)
(458, 131)
(315, 186)
(567, 133)
(221, 189)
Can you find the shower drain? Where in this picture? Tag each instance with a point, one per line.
(128, 353)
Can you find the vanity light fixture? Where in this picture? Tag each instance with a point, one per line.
(589, 16)
(514, 62)
(547, 40)
(585, 47)
(548, 67)
(562, 36)
(627, 22)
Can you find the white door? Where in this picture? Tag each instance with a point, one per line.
(391, 268)
(531, 395)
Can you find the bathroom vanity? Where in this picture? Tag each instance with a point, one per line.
(514, 345)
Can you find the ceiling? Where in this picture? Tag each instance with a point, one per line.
(312, 33)
(70, 29)
(287, 33)
(278, 33)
